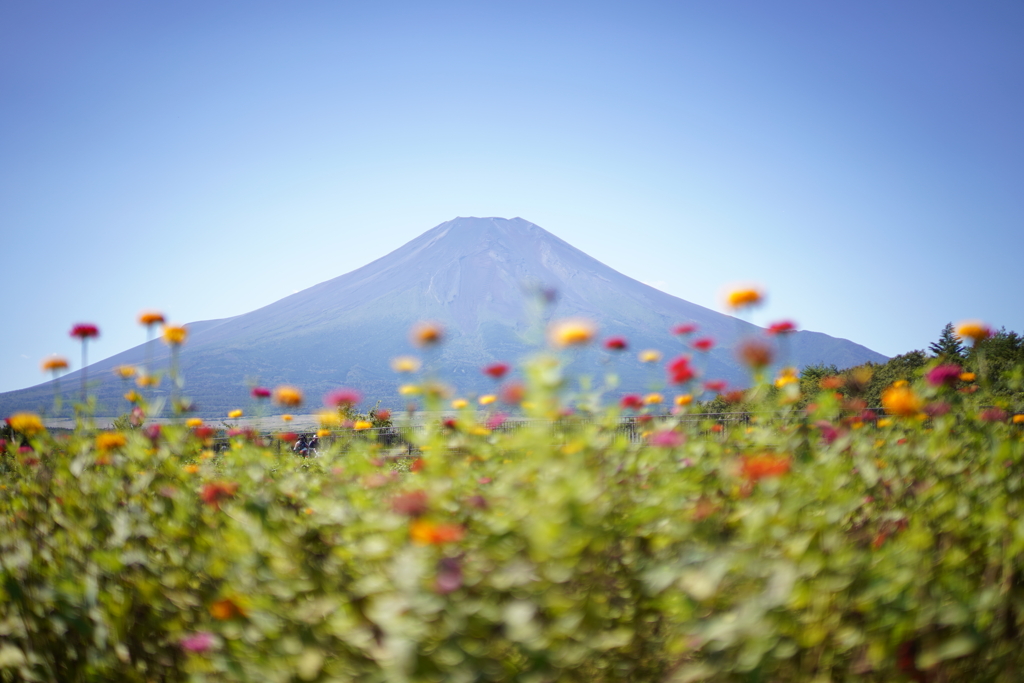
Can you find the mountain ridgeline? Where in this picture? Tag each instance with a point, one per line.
(482, 279)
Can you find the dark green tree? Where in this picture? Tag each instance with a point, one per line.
(949, 346)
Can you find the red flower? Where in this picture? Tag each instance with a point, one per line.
(993, 415)
(497, 370)
(755, 353)
(756, 467)
(513, 393)
(703, 344)
(287, 437)
(631, 402)
(715, 385)
(687, 328)
(413, 503)
(615, 343)
(417, 465)
(382, 415)
(203, 433)
(782, 327)
(84, 331)
(679, 370)
(450, 423)
(260, 392)
(343, 398)
(216, 491)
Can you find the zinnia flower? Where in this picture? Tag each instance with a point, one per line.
(787, 376)
(703, 344)
(193, 422)
(615, 344)
(496, 370)
(361, 425)
(28, 424)
(459, 403)
(650, 356)
(513, 393)
(405, 364)
(653, 399)
(427, 333)
(487, 399)
(755, 353)
(234, 414)
(288, 396)
(967, 377)
(54, 364)
(174, 335)
(343, 398)
(716, 385)
(109, 441)
(975, 330)
(744, 297)
(260, 392)
(198, 642)
(85, 331)
(217, 491)
(667, 439)
(133, 396)
(150, 318)
(757, 467)
(684, 400)
(947, 375)
(124, 371)
(631, 402)
(679, 370)
(144, 381)
(423, 532)
(684, 329)
(901, 400)
(411, 503)
(993, 415)
(571, 332)
(225, 609)
(782, 327)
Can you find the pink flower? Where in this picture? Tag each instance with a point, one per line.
(343, 398)
(667, 439)
(703, 344)
(687, 328)
(937, 409)
(198, 642)
(631, 402)
(84, 331)
(782, 327)
(715, 385)
(496, 420)
(679, 370)
(947, 375)
(828, 431)
(260, 392)
(496, 370)
(993, 415)
(615, 344)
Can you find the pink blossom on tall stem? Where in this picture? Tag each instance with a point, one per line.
(84, 332)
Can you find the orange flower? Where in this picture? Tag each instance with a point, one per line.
(571, 332)
(174, 335)
(109, 441)
(54, 364)
(423, 532)
(149, 318)
(684, 400)
(28, 424)
(405, 364)
(144, 381)
(288, 396)
(757, 467)
(755, 353)
(1018, 419)
(967, 377)
(214, 492)
(901, 400)
(124, 371)
(975, 330)
(225, 609)
(427, 333)
(744, 297)
(133, 396)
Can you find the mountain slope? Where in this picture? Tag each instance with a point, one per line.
(478, 277)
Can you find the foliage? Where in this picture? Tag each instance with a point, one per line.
(814, 543)
(948, 348)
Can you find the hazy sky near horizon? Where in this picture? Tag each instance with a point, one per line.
(863, 161)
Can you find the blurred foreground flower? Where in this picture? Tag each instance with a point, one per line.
(427, 333)
(684, 329)
(405, 364)
(213, 493)
(109, 441)
(757, 467)
(199, 642)
(975, 330)
(497, 370)
(423, 532)
(947, 375)
(175, 335)
(260, 392)
(650, 356)
(744, 297)
(679, 370)
(782, 327)
(343, 398)
(226, 608)
(755, 354)
(288, 396)
(235, 414)
(901, 400)
(125, 371)
(615, 344)
(571, 332)
(54, 364)
(28, 424)
(704, 344)
(85, 331)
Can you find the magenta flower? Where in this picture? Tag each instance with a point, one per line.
(198, 642)
(496, 420)
(993, 415)
(615, 344)
(343, 398)
(260, 392)
(667, 439)
(631, 402)
(947, 375)
(85, 331)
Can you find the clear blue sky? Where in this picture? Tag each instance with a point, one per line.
(863, 160)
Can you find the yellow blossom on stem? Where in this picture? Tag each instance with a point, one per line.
(54, 364)
(28, 424)
(975, 330)
(286, 418)
(744, 297)
(234, 414)
(653, 399)
(901, 400)
(288, 396)
(193, 422)
(684, 400)
(175, 335)
(405, 364)
(323, 433)
(360, 425)
(328, 418)
(650, 356)
(108, 441)
(133, 396)
(409, 390)
(125, 371)
(191, 468)
(143, 381)
(459, 403)
(487, 399)
(571, 332)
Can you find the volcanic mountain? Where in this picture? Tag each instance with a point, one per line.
(486, 280)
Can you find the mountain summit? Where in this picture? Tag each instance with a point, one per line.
(480, 278)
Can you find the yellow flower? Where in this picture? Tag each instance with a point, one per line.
(191, 468)
(571, 332)
(235, 414)
(193, 422)
(54, 363)
(684, 400)
(459, 403)
(653, 399)
(427, 333)
(133, 396)
(967, 377)
(405, 364)
(143, 381)
(884, 422)
(206, 454)
(1018, 419)
(286, 418)
(975, 330)
(28, 424)
(323, 433)
(124, 371)
(786, 376)
(650, 356)
(901, 400)
(409, 390)
(288, 396)
(744, 297)
(487, 399)
(175, 334)
(360, 425)
(329, 418)
(108, 441)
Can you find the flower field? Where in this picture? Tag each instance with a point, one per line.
(820, 540)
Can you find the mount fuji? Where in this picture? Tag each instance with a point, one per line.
(480, 279)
